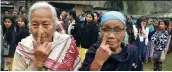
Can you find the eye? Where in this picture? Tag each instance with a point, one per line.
(34, 24)
(105, 29)
(46, 25)
(118, 29)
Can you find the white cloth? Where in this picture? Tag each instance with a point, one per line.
(62, 45)
(142, 37)
(71, 26)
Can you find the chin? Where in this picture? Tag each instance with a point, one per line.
(113, 46)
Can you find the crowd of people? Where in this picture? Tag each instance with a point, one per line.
(49, 39)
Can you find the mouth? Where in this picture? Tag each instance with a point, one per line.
(110, 42)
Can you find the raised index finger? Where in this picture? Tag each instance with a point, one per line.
(104, 39)
(38, 38)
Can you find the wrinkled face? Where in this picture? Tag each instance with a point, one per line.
(21, 22)
(115, 37)
(95, 17)
(14, 14)
(89, 18)
(162, 25)
(42, 25)
(7, 23)
(69, 16)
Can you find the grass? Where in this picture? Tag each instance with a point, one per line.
(167, 65)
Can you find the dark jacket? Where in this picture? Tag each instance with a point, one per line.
(89, 35)
(76, 33)
(23, 33)
(126, 60)
(9, 40)
(66, 23)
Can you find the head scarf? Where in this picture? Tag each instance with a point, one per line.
(113, 15)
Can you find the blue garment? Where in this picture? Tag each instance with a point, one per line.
(126, 60)
(113, 15)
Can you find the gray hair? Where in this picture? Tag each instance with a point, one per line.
(45, 5)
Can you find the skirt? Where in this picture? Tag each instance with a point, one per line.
(157, 55)
(82, 52)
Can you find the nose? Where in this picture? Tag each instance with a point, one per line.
(40, 30)
(111, 35)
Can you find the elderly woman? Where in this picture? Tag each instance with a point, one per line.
(110, 54)
(45, 49)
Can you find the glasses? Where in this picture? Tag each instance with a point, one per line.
(116, 31)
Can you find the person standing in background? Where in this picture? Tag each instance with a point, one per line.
(63, 16)
(22, 10)
(151, 32)
(159, 45)
(170, 31)
(89, 34)
(156, 25)
(82, 16)
(23, 30)
(9, 42)
(15, 17)
(60, 26)
(5, 13)
(74, 26)
(97, 22)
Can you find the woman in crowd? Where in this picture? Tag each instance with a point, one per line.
(110, 54)
(159, 45)
(130, 32)
(170, 31)
(151, 32)
(97, 22)
(24, 30)
(60, 26)
(89, 34)
(156, 25)
(141, 34)
(45, 48)
(9, 42)
(74, 26)
(22, 11)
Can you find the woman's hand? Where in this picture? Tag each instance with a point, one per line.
(42, 52)
(102, 54)
(9, 60)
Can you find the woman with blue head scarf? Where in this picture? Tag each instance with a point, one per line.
(110, 54)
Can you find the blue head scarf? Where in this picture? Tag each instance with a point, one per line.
(113, 15)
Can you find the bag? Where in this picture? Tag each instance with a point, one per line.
(163, 55)
(164, 52)
(6, 49)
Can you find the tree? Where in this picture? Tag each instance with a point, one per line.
(114, 5)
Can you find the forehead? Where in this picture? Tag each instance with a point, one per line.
(88, 14)
(14, 11)
(7, 19)
(63, 12)
(41, 13)
(6, 12)
(113, 23)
